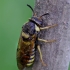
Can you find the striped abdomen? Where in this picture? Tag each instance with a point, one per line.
(32, 57)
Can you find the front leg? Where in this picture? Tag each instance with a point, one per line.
(38, 47)
(49, 26)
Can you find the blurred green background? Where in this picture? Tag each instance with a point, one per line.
(69, 67)
(13, 14)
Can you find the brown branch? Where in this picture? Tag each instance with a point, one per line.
(57, 54)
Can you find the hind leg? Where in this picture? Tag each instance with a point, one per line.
(38, 47)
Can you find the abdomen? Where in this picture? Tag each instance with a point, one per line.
(25, 59)
(32, 57)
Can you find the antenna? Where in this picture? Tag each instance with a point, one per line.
(44, 15)
(30, 8)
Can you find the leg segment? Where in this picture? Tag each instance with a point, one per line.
(46, 41)
(41, 55)
(47, 27)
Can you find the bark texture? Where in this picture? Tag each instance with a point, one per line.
(56, 55)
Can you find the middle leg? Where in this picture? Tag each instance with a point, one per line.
(46, 41)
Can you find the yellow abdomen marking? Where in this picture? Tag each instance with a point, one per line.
(27, 43)
(32, 57)
(31, 60)
(29, 64)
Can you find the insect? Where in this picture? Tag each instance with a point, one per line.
(28, 40)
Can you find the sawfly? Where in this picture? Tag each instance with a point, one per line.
(28, 40)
